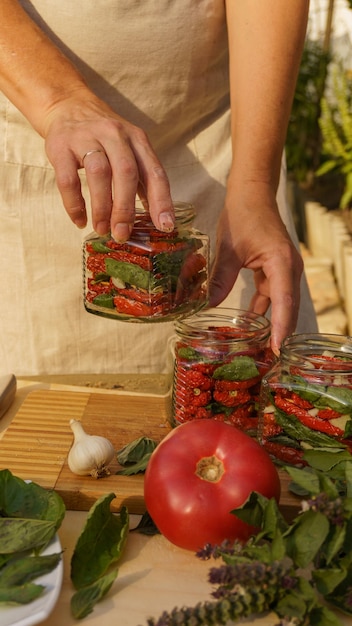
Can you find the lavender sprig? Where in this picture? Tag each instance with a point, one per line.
(241, 602)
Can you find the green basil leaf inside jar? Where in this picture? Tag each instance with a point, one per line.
(154, 276)
(306, 398)
(219, 358)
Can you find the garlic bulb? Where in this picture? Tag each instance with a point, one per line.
(89, 454)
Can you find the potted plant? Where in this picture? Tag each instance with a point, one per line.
(303, 142)
(336, 128)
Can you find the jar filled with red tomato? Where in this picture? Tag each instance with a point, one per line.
(306, 398)
(154, 276)
(219, 358)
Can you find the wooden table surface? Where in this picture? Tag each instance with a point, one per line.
(153, 575)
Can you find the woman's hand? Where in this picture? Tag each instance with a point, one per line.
(82, 131)
(251, 235)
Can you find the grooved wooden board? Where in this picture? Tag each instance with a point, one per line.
(36, 444)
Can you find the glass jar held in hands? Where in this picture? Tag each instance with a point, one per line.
(152, 277)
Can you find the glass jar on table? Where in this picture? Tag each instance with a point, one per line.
(219, 358)
(306, 398)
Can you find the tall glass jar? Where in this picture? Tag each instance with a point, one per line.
(153, 277)
(219, 358)
(306, 398)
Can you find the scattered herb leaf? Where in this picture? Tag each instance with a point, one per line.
(146, 526)
(135, 455)
(84, 600)
(100, 543)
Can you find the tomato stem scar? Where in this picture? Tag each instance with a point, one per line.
(210, 468)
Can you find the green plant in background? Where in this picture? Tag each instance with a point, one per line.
(303, 144)
(336, 127)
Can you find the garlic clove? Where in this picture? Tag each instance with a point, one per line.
(89, 454)
(118, 282)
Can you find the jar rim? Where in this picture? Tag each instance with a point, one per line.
(312, 349)
(202, 324)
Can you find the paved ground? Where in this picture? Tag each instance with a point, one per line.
(327, 302)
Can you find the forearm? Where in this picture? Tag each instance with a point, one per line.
(266, 38)
(34, 74)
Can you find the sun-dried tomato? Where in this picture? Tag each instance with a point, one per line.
(192, 396)
(287, 454)
(270, 430)
(194, 378)
(99, 286)
(328, 414)
(230, 385)
(167, 246)
(136, 309)
(205, 368)
(232, 398)
(200, 398)
(136, 259)
(301, 402)
(96, 264)
(247, 424)
(128, 247)
(185, 414)
(308, 420)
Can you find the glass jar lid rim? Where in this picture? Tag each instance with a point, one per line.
(221, 316)
(317, 348)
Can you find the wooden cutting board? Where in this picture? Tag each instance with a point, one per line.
(36, 444)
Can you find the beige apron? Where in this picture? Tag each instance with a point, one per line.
(162, 64)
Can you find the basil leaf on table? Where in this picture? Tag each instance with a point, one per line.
(135, 455)
(146, 526)
(137, 467)
(100, 544)
(84, 600)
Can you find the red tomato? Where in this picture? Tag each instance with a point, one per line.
(201, 471)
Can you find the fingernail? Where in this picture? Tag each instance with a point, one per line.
(121, 232)
(102, 228)
(81, 222)
(275, 347)
(166, 222)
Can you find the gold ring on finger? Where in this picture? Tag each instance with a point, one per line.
(92, 152)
